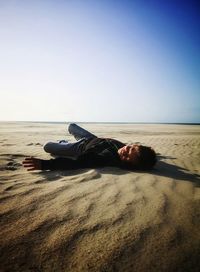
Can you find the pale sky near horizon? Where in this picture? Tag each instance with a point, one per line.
(93, 61)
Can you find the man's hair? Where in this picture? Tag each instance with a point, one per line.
(146, 159)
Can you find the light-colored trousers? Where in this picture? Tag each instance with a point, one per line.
(65, 149)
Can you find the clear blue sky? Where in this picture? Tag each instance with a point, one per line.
(114, 61)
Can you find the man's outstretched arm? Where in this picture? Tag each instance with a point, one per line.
(87, 160)
(32, 164)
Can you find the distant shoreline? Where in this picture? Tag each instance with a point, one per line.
(117, 123)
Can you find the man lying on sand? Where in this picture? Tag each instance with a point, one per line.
(91, 152)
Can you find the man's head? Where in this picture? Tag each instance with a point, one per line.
(137, 156)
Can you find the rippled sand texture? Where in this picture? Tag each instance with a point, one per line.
(100, 219)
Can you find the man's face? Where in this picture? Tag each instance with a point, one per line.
(129, 153)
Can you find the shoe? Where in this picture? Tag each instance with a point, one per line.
(63, 142)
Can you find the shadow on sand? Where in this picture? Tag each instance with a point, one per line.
(166, 169)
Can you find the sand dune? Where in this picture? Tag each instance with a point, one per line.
(100, 219)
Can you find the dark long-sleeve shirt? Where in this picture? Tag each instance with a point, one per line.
(96, 152)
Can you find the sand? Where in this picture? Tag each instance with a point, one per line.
(104, 219)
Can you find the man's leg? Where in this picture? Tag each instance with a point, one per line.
(71, 150)
(79, 132)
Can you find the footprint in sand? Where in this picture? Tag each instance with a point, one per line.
(7, 144)
(34, 144)
(12, 165)
(13, 187)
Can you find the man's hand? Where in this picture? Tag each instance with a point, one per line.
(32, 164)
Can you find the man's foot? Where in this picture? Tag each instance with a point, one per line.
(63, 142)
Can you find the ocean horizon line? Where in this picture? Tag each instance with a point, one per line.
(103, 122)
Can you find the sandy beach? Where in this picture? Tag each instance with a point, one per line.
(104, 219)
